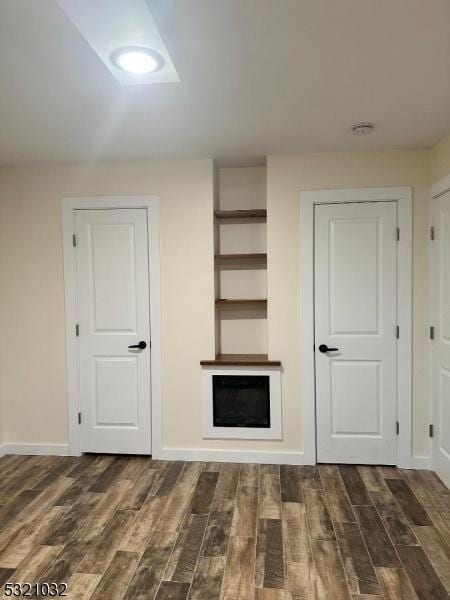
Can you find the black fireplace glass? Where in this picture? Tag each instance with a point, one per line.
(241, 401)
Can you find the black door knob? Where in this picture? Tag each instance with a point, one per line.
(324, 348)
(142, 345)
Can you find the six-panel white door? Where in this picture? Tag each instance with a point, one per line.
(355, 312)
(113, 309)
(441, 344)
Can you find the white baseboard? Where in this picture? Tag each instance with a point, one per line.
(262, 457)
(191, 455)
(420, 462)
(444, 475)
(238, 456)
(35, 449)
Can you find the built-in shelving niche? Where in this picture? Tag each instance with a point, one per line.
(240, 227)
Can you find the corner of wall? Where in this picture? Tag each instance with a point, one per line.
(2, 426)
(440, 160)
(2, 340)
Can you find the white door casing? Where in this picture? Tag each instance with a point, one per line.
(355, 311)
(441, 342)
(113, 309)
(308, 201)
(69, 208)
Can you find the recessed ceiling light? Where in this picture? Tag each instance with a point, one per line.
(362, 128)
(136, 60)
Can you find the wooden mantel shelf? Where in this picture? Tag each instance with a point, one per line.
(255, 213)
(256, 256)
(241, 360)
(241, 301)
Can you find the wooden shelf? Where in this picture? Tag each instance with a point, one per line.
(240, 301)
(256, 213)
(246, 360)
(241, 257)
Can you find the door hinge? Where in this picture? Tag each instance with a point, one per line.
(398, 234)
(432, 333)
(397, 427)
(79, 418)
(431, 430)
(432, 233)
(397, 332)
(74, 240)
(77, 330)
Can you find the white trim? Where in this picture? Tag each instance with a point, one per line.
(236, 456)
(420, 462)
(188, 454)
(274, 432)
(69, 205)
(440, 187)
(431, 275)
(404, 320)
(403, 197)
(35, 449)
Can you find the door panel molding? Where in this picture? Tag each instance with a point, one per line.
(439, 318)
(403, 197)
(356, 311)
(68, 206)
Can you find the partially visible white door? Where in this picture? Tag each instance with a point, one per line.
(113, 308)
(441, 344)
(355, 317)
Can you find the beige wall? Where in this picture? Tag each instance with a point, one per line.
(2, 422)
(440, 159)
(32, 344)
(2, 358)
(33, 378)
(287, 176)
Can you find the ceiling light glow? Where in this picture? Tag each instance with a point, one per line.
(138, 61)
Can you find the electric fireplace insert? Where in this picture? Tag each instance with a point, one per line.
(241, 401)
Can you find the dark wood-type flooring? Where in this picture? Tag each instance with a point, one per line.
(135, 528)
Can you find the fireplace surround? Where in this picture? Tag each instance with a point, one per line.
(241, 403)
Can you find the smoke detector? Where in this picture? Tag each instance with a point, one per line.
(362, 128)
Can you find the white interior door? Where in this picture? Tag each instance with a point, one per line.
(441, 344)
(355, 312)
(113, 311)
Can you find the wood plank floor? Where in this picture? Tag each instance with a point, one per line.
(135, 528)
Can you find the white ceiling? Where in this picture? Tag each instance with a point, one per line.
(257, 77)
